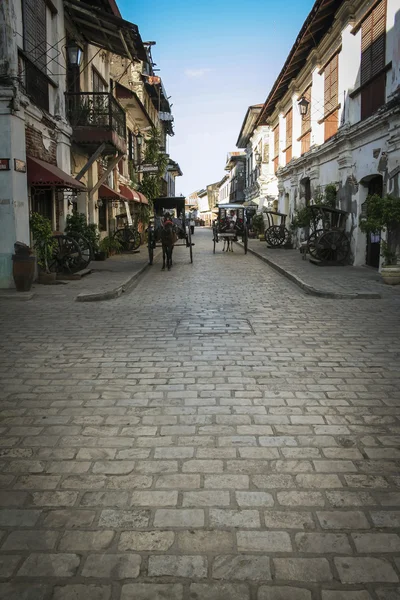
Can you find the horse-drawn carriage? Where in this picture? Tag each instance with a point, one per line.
(276, 234)
(230, 225)
(328, 242)
(175, 208)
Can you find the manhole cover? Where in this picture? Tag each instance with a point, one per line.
(213, 326)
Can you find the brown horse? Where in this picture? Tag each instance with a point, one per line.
(168, 239)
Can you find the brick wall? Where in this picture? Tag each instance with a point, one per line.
(36, 148)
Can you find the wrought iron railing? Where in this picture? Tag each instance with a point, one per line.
(96, 109)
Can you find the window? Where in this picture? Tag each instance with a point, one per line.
(289, 135)
(99, 84)
(131, 145)
(305, 137)
(35, 52)
(276, 148)
(373, 44)
(102, 205)
(331, 98)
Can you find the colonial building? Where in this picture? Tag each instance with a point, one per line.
(232, 188)
(343, 74)
(261, 184)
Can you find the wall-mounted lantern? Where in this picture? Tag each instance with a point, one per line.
(75, 54)
(303, 105)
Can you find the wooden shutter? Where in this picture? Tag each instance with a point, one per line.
(373, 45)
(35, 39)
(289, 135)
(276, 148)
(331, 97)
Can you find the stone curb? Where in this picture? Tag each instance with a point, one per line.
(309, 289)
(114, 292)
(19, 296)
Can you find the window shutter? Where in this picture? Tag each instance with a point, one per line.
(331, 97)
(289, 135)
(373, 46)
(276, 148)
(35, 42)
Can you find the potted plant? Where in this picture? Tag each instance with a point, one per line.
(382, 215)
(258, 226)
(23, 267)
(77, 225)
(109, 246)
(45, 246)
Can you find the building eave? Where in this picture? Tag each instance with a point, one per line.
(248, 125)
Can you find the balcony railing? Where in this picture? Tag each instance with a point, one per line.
(97, 110)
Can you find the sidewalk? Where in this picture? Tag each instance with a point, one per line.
(327, 282)
(108, 279)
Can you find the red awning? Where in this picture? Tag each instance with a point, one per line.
(133, 195)
(41, 173)
(108, 193)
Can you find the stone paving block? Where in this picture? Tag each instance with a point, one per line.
(193, 567)
(19, 591)
(142, 541)
(184, 517)
(68, 518)
(345, 595)
(300, 498)
(344, 498)
(285, 593)
(86, 540)
(54, 498)
(351, 519)
(289, 519)
(205, 541)
(249, 499)
(234, 518)
(388, 593)
(118, 499)
(117, 519)
(82, 592)
(30, 540)
(178, 481)
(154, 498)
(219, 591)
(205, 498)
(263, 541)
(49, 565)
(388, 518)
(8, 564)
(241, 567)
(365, 570)
(18, 518)
(323, 543)
(268, 482)
(318, 481)
(376, 542)
(112, 566)
(152, 591)
(302, 569)
(226, 481)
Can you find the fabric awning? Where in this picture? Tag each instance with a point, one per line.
(133, 195)
(108, 193)
(41, 173)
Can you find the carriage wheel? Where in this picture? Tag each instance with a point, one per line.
(276, 236)
(245, 239)
(190, 245)
(129, 239)
(313, 241)
(85, 247)
(333, 245)
(67, 255)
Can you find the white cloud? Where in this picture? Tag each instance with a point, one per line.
(196, 73)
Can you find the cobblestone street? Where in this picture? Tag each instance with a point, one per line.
(215, 434)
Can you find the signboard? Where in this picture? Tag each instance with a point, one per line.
(19, 165)
(147, 169)
(128, 213)
(4, 164)
(153, 79)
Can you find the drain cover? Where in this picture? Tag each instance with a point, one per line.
(213, 326)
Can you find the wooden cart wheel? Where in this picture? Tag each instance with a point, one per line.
(67, 255)
(276, 236)
(245, 239)
(333, 245)
(85, 247)
(312, 242)
(129, 238)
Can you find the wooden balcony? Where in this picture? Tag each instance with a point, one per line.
(97, 118)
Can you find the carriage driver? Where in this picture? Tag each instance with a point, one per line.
(232, 216)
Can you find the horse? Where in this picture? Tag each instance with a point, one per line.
(228, 244)
(168, 239)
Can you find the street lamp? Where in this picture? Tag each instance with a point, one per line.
(303, 105)
(75, 54)
(139, 138)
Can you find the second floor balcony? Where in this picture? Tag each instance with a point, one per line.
(97, 118)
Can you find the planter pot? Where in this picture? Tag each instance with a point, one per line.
(23, 271)
(261, 237)
(391, 274)
(47, 278)
(100, 256)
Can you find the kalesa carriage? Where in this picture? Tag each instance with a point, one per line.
(175, 207)
(230, 225)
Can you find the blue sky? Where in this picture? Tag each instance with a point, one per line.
(216, 58)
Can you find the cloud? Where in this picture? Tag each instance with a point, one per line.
(196, 73)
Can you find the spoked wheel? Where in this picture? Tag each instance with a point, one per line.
(67, 255)
(276, 236)
(129, 238)
(245, 240)
(312, 242)
(190, 244)
(85, 247)
(333, 245)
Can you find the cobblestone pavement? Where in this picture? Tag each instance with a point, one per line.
(213, 435)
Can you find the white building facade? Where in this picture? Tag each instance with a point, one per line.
(350, 136)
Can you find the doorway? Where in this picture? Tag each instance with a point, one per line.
(373, 251)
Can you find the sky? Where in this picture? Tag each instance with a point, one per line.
(216, 58)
